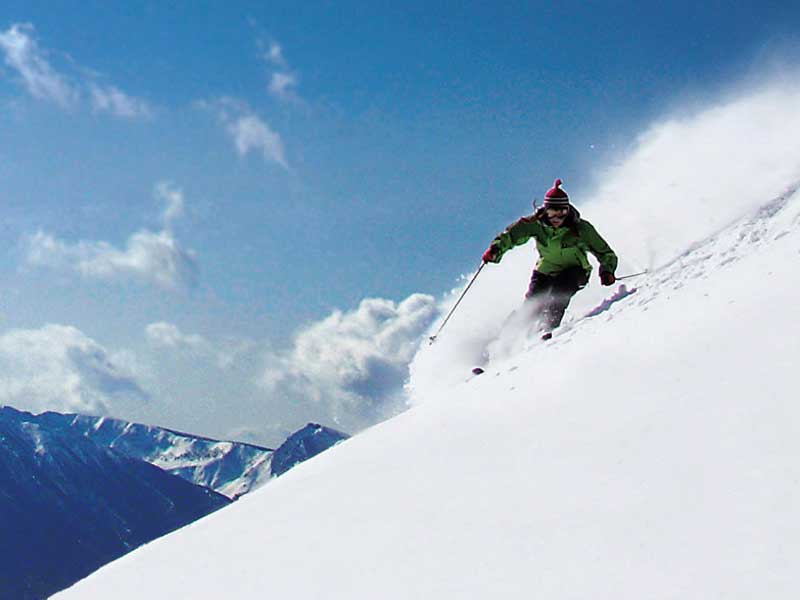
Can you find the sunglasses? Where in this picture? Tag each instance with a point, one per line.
(557, 211)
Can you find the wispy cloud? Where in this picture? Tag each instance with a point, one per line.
(224, 354)
(274, 54)
(353, 365)
(172, 197)
(168, 335)
(283, 81)
(112, 100)
(25, 56)
(59, 368)
(153, 257)
(283, 85)
(248, 131)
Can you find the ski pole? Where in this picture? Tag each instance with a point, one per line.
(455, 306)
(629, 276)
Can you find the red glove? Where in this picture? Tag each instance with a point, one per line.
(607, 278)
(491, 254)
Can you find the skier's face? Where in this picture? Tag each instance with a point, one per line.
(557, 216)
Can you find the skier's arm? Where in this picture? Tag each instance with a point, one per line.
(516, 234)
(600, 249)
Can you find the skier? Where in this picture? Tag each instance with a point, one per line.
(563, 240)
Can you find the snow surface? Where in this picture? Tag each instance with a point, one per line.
(649, 451)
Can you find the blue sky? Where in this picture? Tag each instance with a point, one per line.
(188, 185)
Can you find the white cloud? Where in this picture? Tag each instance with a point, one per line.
(170, 336)
(249, 132)
(59, 368)
(274, 55)
(153, 257)
(22, 53)
(352, 366)
(282, 85)
(225, 353)
(112, 100)
(173, 202)
(283, 81)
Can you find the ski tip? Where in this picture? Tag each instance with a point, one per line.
(477, 371)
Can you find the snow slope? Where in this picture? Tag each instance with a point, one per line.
(649, 451)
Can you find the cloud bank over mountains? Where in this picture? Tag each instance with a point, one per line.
(346, 370)
(352, 366)
(57, 367)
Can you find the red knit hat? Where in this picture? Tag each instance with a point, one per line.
(556, 197)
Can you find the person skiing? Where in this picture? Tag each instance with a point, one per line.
(563, 239)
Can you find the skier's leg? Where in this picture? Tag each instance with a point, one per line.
(539, 299)
(565, 285)
(523, 321)
(540, 286)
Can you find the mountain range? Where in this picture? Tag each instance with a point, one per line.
(79, 491)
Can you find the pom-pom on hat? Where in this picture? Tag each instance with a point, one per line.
(556, 197)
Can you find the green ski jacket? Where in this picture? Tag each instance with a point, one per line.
(559, 248)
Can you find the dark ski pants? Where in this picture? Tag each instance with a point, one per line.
(550, 294)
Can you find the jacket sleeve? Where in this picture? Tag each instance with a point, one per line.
(599, 248)
(517, 234)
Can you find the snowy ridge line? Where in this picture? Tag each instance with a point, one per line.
(227, 467)
(230, 468)
(77, 417)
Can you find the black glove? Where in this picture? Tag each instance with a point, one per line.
(607, 278)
